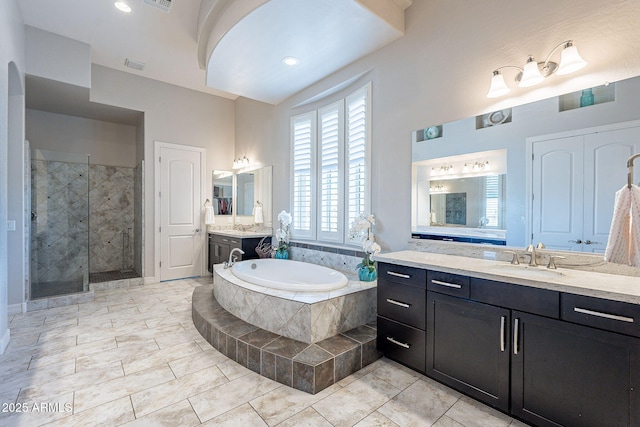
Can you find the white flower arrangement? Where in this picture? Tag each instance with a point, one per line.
(361, 228)
(282, 233)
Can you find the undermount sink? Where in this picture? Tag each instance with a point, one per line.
(528, 271)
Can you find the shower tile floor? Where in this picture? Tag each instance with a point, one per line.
(133, 357)
(110, 276)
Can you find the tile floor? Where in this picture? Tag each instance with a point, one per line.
(133, 357)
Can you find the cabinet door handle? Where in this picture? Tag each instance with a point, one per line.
(216, 250)
(503, 320)
(605, 315)
(393, 273)
(401, 344)
(447, 284)
(401, 304)
(515, 336)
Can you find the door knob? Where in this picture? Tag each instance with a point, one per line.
(197, 230)
(579, 242)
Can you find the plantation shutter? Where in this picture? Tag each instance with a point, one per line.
(330, 146)
(357, 174)
(303, 167)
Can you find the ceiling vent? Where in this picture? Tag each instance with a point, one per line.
(136, 65)
(160, 4)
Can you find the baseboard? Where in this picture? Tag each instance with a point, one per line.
(4, 341)
(149, 280)
(19, 308)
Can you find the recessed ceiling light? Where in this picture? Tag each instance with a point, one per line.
(290, 60)
(122, 6)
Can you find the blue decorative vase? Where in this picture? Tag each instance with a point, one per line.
(366, 275)
(282, 254)
(587, 98)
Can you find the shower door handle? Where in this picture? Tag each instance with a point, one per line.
(34, 216)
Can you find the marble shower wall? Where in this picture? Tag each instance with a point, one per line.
(111, 225)
(59, 238)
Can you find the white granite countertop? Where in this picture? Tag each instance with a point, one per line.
(240, 234)
(600, 285)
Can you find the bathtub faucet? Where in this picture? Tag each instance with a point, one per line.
(232, 258)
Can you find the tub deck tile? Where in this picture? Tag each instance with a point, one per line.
(307, 367)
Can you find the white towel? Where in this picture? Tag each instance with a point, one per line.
(209, 217)
(258, 218)
(623, 246)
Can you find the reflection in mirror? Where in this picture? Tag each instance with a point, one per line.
(565, 126)
(461, 198)
(245, 183)
(222, 192)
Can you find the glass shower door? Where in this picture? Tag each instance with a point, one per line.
(59, 223)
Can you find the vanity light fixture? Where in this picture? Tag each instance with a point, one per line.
(240, 163)
(534, 72)
(122, 6)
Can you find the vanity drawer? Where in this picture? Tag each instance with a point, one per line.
(615, 316)
(448, 283)
(516, 297)
(403, 303)
(401, 274)
(402, 343)
(231, 241)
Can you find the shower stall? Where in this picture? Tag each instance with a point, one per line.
(59, 223)
(86, 223)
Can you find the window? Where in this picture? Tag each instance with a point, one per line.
(330, 164)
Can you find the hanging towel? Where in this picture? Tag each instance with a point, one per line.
(623, 246)
(209, 217)
(258, 218)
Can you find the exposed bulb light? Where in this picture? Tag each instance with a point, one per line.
(240, 163)
(290, 60)
(534, 73)
(122, 6)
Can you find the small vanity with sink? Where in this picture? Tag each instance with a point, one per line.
(548, 346)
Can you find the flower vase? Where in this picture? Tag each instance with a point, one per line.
(367, 275)
(587, 98)
(282, 254)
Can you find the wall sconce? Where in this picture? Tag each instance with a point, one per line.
(535, 72)
(240, 163)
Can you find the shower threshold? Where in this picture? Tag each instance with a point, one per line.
(110, 276)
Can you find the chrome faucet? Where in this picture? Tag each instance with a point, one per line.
(531, 251)
(232, 258)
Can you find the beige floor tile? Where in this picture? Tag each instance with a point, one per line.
(38, 376)
(445, 421)
(376, 419)
(146, 333)
(285, 402)
(233, 370)
(42, 390)
(307, 418)
(395, 374)
(146, 360)
(241, 416)
(230, 395)
(98, 394)
(424, 401)
(179, 414)
(165, 394)
(13, 364)
(471, 413)
(178, 337)
(98, 359)
(197, 361)
(72, 352)
(112, 413)
(354, 402)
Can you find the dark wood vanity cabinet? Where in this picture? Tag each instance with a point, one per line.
(401, 302)
(220, 246)
(547, 357)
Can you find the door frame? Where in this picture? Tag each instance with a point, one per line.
(157, 146)
(529, 164)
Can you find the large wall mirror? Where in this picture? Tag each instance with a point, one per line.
(564, 160)
(238, 194)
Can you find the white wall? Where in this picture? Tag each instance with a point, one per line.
(171, 114)
(11, 85)
(109, 144)
(440, 72)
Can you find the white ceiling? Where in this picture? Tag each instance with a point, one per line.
(246, 61)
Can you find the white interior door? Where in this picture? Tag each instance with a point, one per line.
(605, 156)
(181, 235)
(558, 193)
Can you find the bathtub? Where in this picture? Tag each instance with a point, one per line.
(287, 275)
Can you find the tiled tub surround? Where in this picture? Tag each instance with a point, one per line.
(303, 316)
(307, 367)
